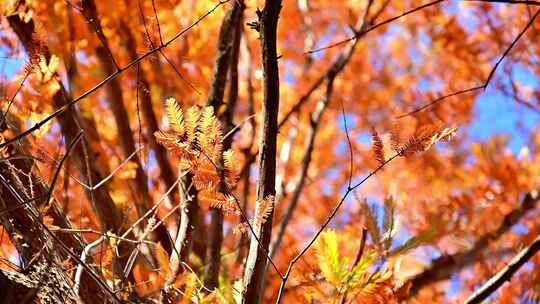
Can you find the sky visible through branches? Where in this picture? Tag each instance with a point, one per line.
(497, 110)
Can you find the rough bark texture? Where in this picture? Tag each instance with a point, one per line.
(82, 156)
(22, 195)
(257, 259)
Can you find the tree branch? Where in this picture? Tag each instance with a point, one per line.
(505, 274)
(443, 267)
(254, 272)
(66, 107)
(226, 60)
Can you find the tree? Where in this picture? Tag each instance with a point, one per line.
(163, 151)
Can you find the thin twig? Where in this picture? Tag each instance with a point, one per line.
(84, 255)
(372, 28)
(490, 76)
(114, 75)
(106, 179)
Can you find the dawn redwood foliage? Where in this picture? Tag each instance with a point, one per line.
(265, 151)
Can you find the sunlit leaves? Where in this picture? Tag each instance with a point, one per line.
(176, 117)
(196, 139)
(387, 146)
(360, 280)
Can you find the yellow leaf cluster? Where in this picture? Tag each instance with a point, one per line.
(196, 139)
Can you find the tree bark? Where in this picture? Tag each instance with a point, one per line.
(254, 272)
(19, 181)
(227, 60)
(139, 186)
(102, 203)
(109, 217)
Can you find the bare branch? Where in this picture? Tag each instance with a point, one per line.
(505, 274)
(443, 267)
(121, 70)
(490, 75)
(226, 61)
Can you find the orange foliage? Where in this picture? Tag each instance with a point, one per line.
(350, 71)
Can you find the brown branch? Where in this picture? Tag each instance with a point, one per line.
(27, 221)
(66, 107)
(443, 267)
(333, 71)
(14, 171)
(249, 157)
(139, 185)
(505, 274)
(106, 210)
(254, 272)
(89, 11)
(167, 171)
(226, 60)
(490, 75)
(107, 213)
(188, 210)
(87, 121)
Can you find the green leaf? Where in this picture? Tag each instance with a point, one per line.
(360, 270)
(332, 267)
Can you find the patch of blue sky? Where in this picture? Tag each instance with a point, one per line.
(497, 114)
(289, 75)
(151, 163)
(10, 65)
(520, 229)
(454, 286)
(364, 138)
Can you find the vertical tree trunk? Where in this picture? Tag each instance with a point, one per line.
(102, 203)
(256, 261)
(139, 186)
(228, 44)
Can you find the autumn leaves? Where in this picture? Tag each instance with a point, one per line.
(390, 145)
(195, 138)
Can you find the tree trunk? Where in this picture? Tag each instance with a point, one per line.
(257, 257)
